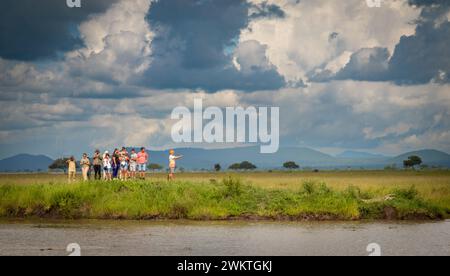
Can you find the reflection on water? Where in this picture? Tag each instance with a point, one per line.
(223, 238)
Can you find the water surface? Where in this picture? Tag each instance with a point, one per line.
(188, 238)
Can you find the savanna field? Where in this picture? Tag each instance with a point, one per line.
(334, 195)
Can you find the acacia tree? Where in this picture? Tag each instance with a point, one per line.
(412, 162)
(235, 167)
(246, 165)
(291, 165)
(217, 167)
(59, 164)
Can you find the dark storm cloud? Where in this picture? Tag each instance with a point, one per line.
(213, 79)
(428, 2)
(31, 29)
(204, 28)
(422, 57)
(366, 64)
(195, 42)
(267, 10)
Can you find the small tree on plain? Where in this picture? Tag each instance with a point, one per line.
(235, 167)
(217, 167)
(59, 164)
(412, 162)
(291, 165)
(246, 165)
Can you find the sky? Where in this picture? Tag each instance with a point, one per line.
(345, 76)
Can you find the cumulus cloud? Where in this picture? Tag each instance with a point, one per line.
(418, 58)
(425, 55)
(314, 33)
(251, 55)
(117, 44)
(366, 64)
(195, 42)
(128, 130)
(116, 50)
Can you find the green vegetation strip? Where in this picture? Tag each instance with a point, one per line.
(226, 199)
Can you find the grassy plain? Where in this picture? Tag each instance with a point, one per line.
(329, 195)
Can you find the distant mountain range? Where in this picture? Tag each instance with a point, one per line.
(305, 157)
(201, 158)
(360, 155)
(25, 162)
(197, 159)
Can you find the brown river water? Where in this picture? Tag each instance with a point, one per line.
(241, 238)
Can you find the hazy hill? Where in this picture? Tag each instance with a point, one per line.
(196, 159)
(201, 158)
(360, 155)
(305, 157)
(429, 157)
(25, 162)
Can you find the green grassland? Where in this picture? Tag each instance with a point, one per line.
(341, 195)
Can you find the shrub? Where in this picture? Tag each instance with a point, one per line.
(309, 187)
(233, 186)
(409, 194)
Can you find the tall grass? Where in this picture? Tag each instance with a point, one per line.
(231, 198)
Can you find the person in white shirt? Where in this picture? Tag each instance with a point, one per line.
(133, 163)
(107, 167)
(172, 164)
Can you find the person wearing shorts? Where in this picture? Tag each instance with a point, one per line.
(133, 164)
(142, 160)
(107, 167)
(125, 174)
(85, 164)
(72, 168)
(123, 167)
(172, 164)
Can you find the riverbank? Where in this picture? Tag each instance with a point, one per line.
(227, 199)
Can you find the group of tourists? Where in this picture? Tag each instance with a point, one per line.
(120, 165)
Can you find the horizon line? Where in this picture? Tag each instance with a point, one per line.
(252, 146)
